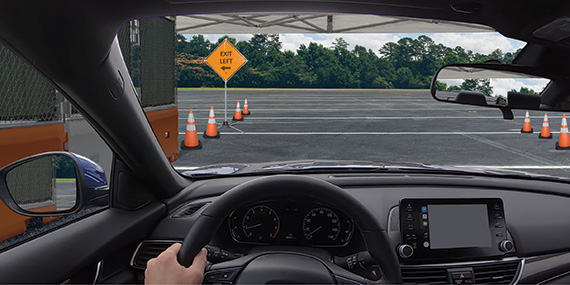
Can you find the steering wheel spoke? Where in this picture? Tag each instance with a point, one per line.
(221, 276)
(225, 272)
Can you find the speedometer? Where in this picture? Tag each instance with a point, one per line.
(321, 225)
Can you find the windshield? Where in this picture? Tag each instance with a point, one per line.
(359, 97)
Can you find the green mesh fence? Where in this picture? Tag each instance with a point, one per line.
(157, 39)
(25, 96)
(32, 182)
(124, 37)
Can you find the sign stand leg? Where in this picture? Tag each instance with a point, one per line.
(226, 123)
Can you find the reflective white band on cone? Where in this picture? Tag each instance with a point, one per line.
(190, 127)
(211, 121)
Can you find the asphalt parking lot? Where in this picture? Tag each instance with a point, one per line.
(66, 194)
(372, 125)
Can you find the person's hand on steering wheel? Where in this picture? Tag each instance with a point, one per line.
(165, 268)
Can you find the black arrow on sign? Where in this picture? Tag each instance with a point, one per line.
(226, 67)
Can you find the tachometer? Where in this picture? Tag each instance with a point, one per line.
(260, 224)
(321, 225)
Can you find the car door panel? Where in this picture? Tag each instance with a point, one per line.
(61, 254)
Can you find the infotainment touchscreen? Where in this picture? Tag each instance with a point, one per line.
(452, 228)
(457, 226)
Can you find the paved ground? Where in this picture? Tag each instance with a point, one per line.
(368, 125)
(66, 194)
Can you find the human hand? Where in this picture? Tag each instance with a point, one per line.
(165, 268)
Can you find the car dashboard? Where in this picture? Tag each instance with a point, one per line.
(443, 229)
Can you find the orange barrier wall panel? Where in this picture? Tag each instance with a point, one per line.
(18, 143)
(165, 126)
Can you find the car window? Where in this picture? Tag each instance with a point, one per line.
(36, 118)
(348, 96)
(328, 96)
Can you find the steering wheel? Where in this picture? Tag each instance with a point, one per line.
(279, 267)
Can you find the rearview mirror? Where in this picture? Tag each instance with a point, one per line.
(53, 184)
(499, 86)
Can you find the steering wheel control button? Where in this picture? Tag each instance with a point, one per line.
(221, 276)
(217, 255)
(405, 251)
(507, 246)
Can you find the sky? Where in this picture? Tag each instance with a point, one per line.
(483, 43)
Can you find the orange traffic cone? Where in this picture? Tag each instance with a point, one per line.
(564, 141)
(237, 116)
(526, 127)
(545, 134)
(245, 108)
(191, 140)
(212, 131)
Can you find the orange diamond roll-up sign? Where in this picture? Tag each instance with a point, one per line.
(226, 60)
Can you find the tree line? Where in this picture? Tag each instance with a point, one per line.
(406, 64)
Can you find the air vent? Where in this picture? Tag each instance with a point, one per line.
(430, 275)
(500, 272)
(147, 250)
(189, 210)
(496, 273)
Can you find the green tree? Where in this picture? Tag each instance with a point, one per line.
(526, 90)
(199, 46)
(407, 63)
(340, 44)
(263, 42)
(480, 84)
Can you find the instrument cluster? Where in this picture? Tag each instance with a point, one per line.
(290, 222)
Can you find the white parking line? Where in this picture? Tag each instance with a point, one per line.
(321, 100)
(370, 133)
(185, 168)
(362, 118)
(231, 110)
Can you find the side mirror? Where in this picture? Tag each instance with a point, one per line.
(53, 184)
(499, 86)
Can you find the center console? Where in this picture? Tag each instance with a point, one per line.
(444, 229)
(456, 241)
